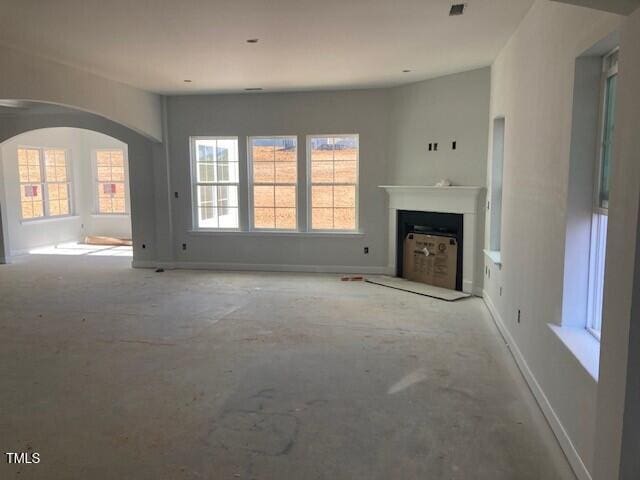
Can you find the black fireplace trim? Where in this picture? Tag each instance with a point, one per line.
(436, 223)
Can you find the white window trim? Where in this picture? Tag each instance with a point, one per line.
(45, 201)
(94, 175)
(193, 160)
(310, 228)
(250, 182)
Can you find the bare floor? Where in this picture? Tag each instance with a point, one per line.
(114, 373)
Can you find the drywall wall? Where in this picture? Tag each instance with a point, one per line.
(79, 145)
(24, 76)
(618, 426)
(624, 7)
(532, 87)
(145, 157)
(363, 112)
(442, 110)
(394, 125)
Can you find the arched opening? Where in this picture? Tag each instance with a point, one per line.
(66, 192)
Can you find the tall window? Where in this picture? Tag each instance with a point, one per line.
(273, 180)
(45, 183)
(601, 204)
(111, 182)
(215, 175)
(333, 167)
(497, 161)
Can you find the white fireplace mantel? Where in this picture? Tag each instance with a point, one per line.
(468, 201)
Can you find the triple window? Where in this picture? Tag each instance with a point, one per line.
(45, 183)
(272, 179)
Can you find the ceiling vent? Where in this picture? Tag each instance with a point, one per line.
(457, 9)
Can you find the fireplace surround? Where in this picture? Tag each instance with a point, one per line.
(466, 202)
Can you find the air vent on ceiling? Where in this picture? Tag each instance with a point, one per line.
(457, 9)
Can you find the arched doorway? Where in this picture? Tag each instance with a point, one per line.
(146, 168)
(66, 192)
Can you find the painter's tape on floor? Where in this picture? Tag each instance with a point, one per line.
(418, 288)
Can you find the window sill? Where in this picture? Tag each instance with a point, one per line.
(276, 234)
(583, 345)
(494, 256)
(37, 221)
(109, 215)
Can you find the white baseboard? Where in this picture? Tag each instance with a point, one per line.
(258, 267)
(564, 440)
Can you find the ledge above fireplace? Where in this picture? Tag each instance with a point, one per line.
(468, 201)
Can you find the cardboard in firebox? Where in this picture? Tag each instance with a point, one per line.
(430, 259)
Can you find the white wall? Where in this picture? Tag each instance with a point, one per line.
(617, 452)
(532, 87)
(364, 112)
(25, 235)
(441, 110)
(394, 127)
(28, 77)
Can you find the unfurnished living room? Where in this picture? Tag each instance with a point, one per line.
(346, 240)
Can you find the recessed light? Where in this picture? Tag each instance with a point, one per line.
(187, 81)
(252, 40)
(253, 89)
(457, 9)
(406, 71)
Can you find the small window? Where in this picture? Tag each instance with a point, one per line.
(495, 206)
(215, 175)
(601, 203)
(333, 170)
(111, 182)
(273, 182)
(45, 183)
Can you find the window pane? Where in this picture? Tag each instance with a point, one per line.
(274, 164)
(322, 172)
(286, 218)
(264, 217)
(607, 141)
(286, 150)
(206, 172)
(227, 196)
(23, 172)
(344, 218)
(286, 172)
(263, 196)
(334, 178)
(263, 172)
(322, 218)
(346, 148)
(321, 149)
(322, 196)
(344, 196)
(263, 150)
(228, 217)
(34, 174)
(346, 172)
(206, 196)
(208, 217)
(285, 196)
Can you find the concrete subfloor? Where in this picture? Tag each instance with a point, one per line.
(113, 373)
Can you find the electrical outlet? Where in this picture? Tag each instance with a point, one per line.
(144, 245)
(184, 246)
(435, 147)
(431, 147)
(500, 291)
(366, 250)
(454, 145)
(518, 316)
(175, 194)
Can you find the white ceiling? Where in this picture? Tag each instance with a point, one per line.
(304, 44)
(624, 7)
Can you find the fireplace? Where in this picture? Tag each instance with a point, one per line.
(429, 223)
(454, 210)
